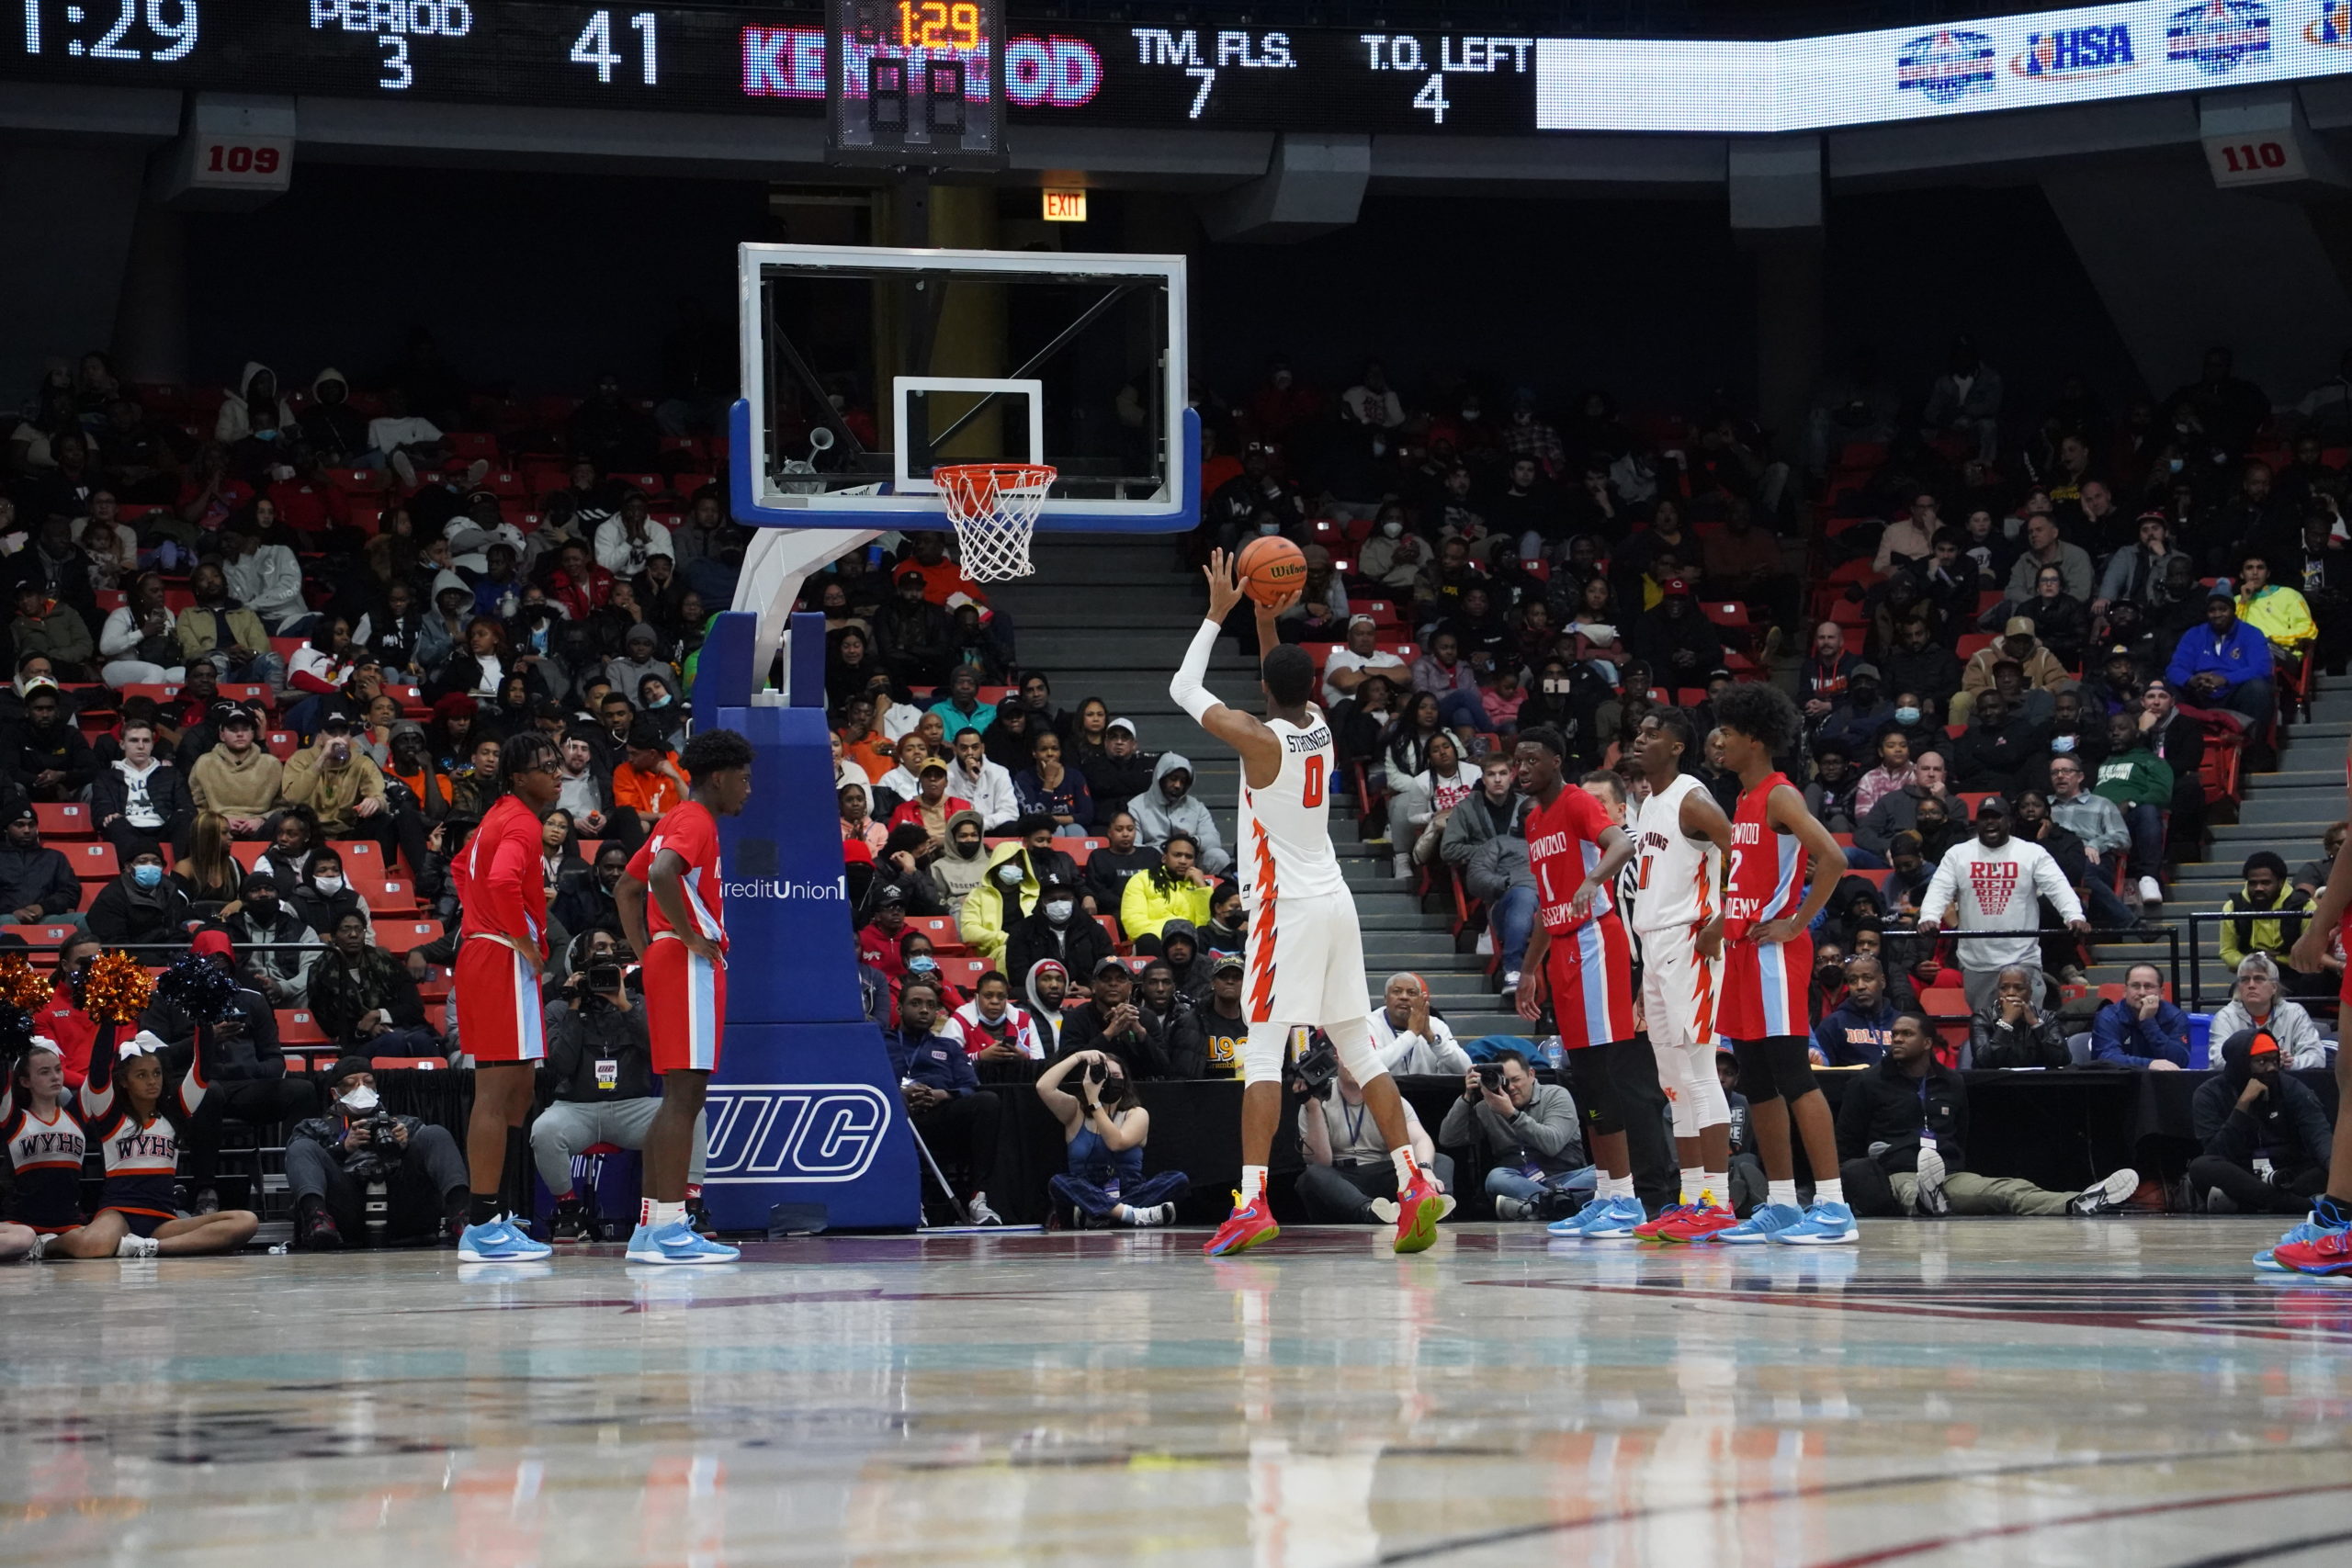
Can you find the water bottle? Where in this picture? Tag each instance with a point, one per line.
(1551, 1054)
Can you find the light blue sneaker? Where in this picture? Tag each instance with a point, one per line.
(1768, 1221)
(500, 1241)
(676, 1242)
(1618, 1219)
(1823, 1224)
(1573, 1226)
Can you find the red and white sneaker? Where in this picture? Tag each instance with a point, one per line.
(2328, 1254)
(1648, 1229)
(1415, 1213)
(1698, 1223)
(1248, 1224)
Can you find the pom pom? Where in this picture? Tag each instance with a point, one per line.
(22, 987)
(198, 987)
(113, 988)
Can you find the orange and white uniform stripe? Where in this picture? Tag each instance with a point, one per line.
(1676, 890)
(1304, 953)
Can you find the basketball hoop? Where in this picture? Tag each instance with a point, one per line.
(995, 507)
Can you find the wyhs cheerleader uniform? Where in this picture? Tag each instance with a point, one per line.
(1588, 967)
(141, 1159)
(685, 994)
(501, 887)
(47, 1159)
(1764, 983)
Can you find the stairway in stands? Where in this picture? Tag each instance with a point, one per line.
(1111, 618)
(2285, 810)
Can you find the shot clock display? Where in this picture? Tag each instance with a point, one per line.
(916, 81)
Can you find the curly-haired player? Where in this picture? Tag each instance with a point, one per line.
(1767, 959)
(682, 936)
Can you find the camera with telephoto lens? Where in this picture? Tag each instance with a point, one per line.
(1315, 1072)
(380, 1151)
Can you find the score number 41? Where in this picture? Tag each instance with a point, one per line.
(594, 46)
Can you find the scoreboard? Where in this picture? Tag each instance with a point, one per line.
(953, 74)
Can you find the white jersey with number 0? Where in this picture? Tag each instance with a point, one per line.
(1676, 876)
(1285, 828)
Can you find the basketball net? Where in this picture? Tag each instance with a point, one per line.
(994, 507)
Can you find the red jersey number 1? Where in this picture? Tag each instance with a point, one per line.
(1314, 792)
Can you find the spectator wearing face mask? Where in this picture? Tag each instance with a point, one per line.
(329, 1159)
(1169, 808)
(274, 940)
(323, 895)
(962, 861)
(1003, 898)
(1898, 811)
(1056, 928)
(142, 905)
(1831, 795)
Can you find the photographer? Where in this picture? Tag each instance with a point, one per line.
(1348, 1167)
(1103, 1128)
(330, 1160)
(600, 1060)
(364, 999)
(1539, 1171)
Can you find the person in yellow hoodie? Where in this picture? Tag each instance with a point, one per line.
(983, 921)
(2277, 612)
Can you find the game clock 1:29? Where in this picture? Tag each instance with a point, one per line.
(153, 31)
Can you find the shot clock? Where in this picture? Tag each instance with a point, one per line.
(919, 83)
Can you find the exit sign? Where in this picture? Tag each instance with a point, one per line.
(1065, 207)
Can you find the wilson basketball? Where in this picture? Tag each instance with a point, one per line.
(1272, 569)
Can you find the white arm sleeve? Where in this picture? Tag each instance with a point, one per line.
(1186, 686)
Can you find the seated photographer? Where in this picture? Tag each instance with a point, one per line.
(600, 1061)
(1531, 1130)
(1903, 1143)
(246, 1067)
(1110, 1020)
(1103, 1128)
(364, 999)
(1407, 1039)
(330, 1160)
(950, 1112)
(2011, 1032)
(2256, 1003)
(2253, 1111)
(1348, 1167)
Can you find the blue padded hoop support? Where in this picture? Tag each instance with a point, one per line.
(920, 512)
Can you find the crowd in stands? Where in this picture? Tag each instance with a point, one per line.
(268, 639)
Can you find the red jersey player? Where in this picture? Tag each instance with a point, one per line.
(501, 948)
(1580, 960)
(2322, 1244)
(1768, 960)
(681, 934)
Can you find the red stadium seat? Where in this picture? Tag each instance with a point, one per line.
(64, 819)
(398, 937)
(940, 929)
(1972, 644)
(93, 861)
(39, 936)
(297, 1027)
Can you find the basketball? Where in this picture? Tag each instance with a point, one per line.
(1272, 569)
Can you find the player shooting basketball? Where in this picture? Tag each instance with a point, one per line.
(1304, 953)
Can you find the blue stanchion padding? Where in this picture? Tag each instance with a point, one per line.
(804, 1107)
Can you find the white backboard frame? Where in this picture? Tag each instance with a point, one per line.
(902, 395)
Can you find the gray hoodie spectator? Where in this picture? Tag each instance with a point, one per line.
(1544, 1132)
(956, 870)
(1159, 811)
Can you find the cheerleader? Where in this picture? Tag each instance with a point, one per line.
(45, 1145)
(137, 1125)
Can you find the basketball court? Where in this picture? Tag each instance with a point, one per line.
(2007, 1391)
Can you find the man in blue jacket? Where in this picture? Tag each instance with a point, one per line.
(2141, 1029)
(2225, 663)
(1856, 1034)
(950, 1110)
